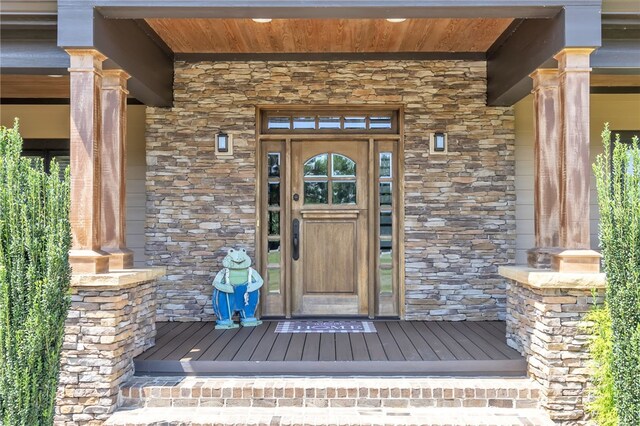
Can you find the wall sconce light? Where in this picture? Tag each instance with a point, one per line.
(438, 143)
(223, 144)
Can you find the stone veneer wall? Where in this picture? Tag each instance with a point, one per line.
(459, 207)
(546, 326)
(106, 328)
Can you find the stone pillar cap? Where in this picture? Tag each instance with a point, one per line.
(577, 253)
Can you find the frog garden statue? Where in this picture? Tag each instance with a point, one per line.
(236, 289)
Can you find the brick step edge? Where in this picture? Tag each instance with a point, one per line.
(329, 392)
(322, 417)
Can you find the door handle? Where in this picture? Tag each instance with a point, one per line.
(295, 239)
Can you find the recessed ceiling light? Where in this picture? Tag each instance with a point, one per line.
(54, 75)
(262, 20)
(396, 20)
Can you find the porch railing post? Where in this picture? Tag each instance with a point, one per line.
(113, 166)
(85, 72)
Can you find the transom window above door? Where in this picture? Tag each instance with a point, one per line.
(384, 121)
(330, 179)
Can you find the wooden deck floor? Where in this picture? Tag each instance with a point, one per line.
(397, 348)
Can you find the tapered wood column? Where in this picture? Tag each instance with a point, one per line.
(573, 67)
(113, 159)
(85, 74)
(547, 169)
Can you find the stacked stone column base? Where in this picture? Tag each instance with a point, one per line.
(546, 323)
(111, 320)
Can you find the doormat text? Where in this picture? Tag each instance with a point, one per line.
(325, 327)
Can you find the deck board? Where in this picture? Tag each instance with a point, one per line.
(183, 349)
(296, 345)
(423, 348)
(311, 350)
(266, 343)
(327, 347)
(374, 345)
(231, 349)
(280, 347)
(497, 343)
(343, 347)
(397, 348)
(480, 341)
(496, 330)
(359, 347)
(389, 344)
(409, 352)
(249, 346)
(203, 345)
(166, 339)
(456, 348)
(452, 330)
(441, 350)
(216, 347)
(178, 340)
(161, 327)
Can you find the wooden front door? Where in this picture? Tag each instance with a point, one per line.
(329, 238)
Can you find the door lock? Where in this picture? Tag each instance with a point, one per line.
(296, 197)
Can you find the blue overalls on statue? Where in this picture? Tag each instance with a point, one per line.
(242, 297)
(241, 301)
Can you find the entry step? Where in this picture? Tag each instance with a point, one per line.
(275, 416)
(365, 392)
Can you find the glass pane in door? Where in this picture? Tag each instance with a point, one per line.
(316, 166)
(344, 192)
(274, 194)
(316, 192)
(273, 166)
(342, 166)
(385, 164)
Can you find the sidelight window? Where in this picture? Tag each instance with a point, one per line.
(385, 231)
(274, 240)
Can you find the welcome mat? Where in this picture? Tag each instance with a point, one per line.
(325, 327)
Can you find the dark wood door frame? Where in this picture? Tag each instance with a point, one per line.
(279, 304)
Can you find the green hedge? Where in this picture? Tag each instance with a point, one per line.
(35, 238)
(617, 173)
(602, 404)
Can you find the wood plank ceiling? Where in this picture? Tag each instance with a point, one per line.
(328, 35)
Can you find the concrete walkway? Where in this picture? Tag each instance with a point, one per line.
(276, 416)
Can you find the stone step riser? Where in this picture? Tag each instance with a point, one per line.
(499, 393)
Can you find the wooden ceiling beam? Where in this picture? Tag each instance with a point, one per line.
(31, 51)
(532, 45)
(349, 9)
(127, 44)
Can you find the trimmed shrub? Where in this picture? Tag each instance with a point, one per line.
(602, 404)
(35, 237)
(617, 173)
